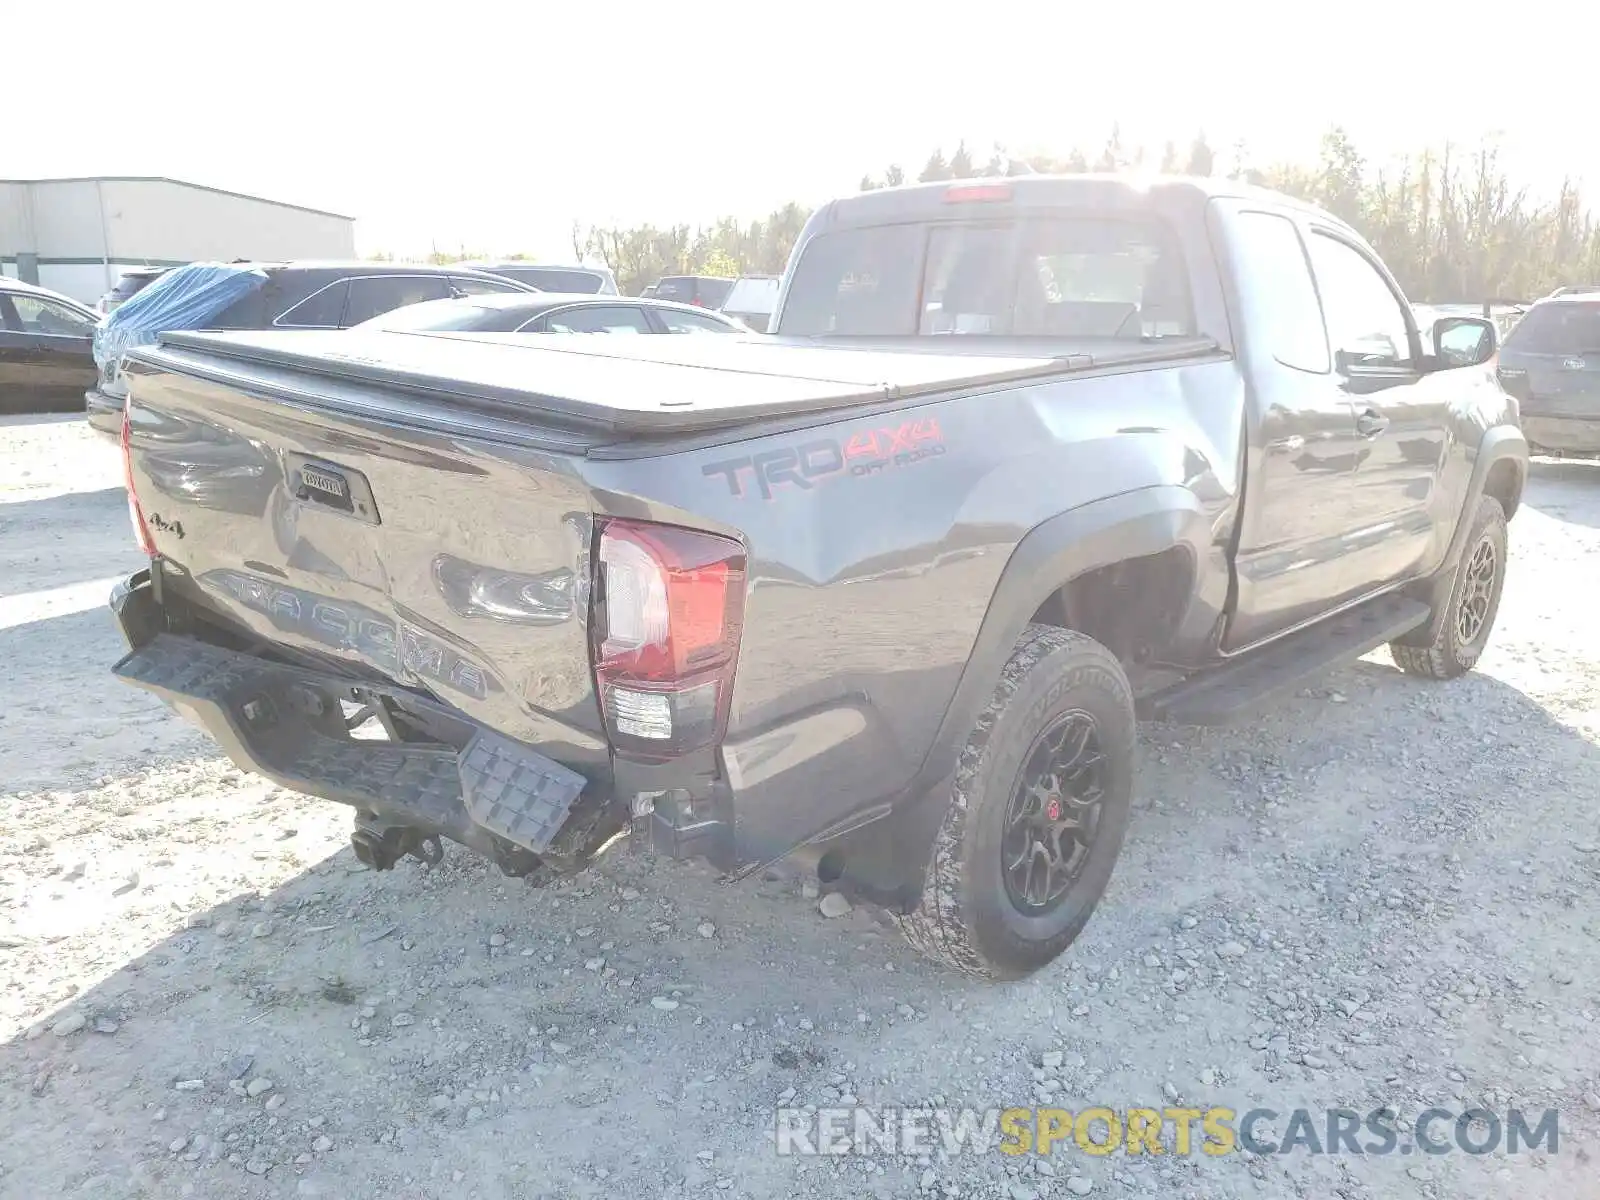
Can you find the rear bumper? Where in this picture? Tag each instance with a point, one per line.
(1576, 435)
(497, 796)
(104, 412)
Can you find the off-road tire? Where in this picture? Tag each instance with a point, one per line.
(1435, 650)
(965, 918)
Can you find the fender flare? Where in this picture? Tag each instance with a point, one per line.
(1502, 443)
(1099, 534)
(1499, 444)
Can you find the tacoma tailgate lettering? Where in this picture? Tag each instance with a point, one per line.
(391, 646)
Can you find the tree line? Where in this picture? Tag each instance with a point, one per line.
(1452, 225)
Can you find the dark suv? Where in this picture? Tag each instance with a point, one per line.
(298, 295)
(703, 291)
(1550, 362)
(133, 281)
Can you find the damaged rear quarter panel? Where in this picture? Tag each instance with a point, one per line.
(876, 545)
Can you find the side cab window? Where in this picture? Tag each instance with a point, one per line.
(1278, 291)
(1368, 324)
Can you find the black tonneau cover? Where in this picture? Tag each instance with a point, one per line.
(646, 385)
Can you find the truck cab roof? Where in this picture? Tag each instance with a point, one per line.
(961, 198)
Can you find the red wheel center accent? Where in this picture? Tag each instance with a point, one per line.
(1052, 811)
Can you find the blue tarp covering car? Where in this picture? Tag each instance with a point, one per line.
(186, 298)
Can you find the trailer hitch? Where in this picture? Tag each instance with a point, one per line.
(381, 846)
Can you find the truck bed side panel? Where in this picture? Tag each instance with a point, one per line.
(876, 546)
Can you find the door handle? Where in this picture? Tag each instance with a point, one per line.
(1371, 424)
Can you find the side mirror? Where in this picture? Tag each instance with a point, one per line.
(1464, 341)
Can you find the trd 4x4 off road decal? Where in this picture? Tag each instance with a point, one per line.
(865, 452)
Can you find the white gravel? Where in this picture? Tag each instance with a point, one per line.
(1390, 900)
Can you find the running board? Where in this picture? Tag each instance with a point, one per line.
(1222, 694)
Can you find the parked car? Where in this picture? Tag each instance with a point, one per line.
(1550, 361)
(585, 280)
(553, 312)
(702, 291)
(752, 300)
(45, 346)
(134, 280)
(883, 602)
(292, 295)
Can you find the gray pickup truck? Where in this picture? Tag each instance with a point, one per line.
(881, 594)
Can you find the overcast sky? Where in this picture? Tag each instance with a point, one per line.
(495, 125)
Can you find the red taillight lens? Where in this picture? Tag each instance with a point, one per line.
(669, 611)
(967, 193)
(141, 531)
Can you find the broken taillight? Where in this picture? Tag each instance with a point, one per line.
(141, 531)
(669, 611)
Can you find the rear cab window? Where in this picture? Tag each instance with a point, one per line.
(1056, 276)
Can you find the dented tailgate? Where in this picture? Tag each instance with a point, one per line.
(326, 533)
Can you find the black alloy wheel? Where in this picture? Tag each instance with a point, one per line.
(1054, 814)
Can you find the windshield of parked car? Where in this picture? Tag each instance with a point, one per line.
(1059, 277)
(433, 314)
(1565, 327)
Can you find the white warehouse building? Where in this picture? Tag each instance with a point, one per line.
(77, 236)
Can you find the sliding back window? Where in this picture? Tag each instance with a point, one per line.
(1060, 277)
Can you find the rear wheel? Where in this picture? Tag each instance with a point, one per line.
(1451, 643)
(1037, 813)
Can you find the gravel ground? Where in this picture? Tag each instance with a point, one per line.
(1383, 893)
